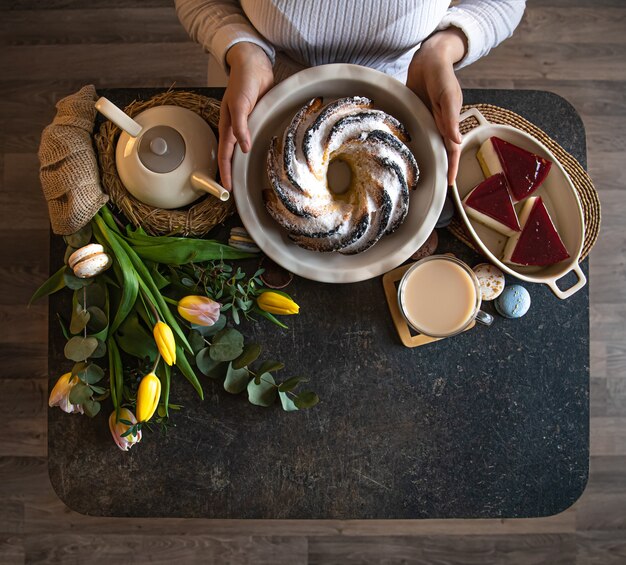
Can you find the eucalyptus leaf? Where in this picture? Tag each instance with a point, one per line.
(74, 282)
(196, 341)
(79, 320)
(290, 384)
(68, 251)
(79, 239)
(91, 407)
(97, 320)
(80, 393)
(306, 399)
(96, 295)
(263, 394)
(100, 351)
(98, 389)
(286, 402)
(80, 348)
(236, 379)
(251, 352)
(227, 345)
(208, 366)
(208, 331)
(91, 374)
(269, 366)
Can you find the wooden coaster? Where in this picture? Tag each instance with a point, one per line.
(408, 336)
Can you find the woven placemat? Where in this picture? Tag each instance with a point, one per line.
(580, 179)
(195, 220)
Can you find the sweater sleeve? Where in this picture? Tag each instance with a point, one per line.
(217, 25)
(485, 23)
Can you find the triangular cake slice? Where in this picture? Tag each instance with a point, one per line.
(538, 243)
(524, 170)
(490, 204)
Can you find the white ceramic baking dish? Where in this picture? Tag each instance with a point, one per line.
(557, 192)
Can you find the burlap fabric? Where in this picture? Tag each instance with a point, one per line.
(68, 167)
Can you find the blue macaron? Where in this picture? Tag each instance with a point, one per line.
(514, 301)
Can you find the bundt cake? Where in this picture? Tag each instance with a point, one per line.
(383, 170)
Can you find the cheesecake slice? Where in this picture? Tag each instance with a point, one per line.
(524, 170)
(490, 204)
(538, 243)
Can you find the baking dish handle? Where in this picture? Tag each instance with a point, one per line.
(562, 294)
(475, 113)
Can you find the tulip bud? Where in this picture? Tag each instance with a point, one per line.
(148, 395)
(60, 395)
(199, 310)
(118, 428)
(276, 303)
(165, 342)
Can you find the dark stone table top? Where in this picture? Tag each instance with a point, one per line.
(491, 423)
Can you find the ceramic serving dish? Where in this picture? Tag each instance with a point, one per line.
(557, 192)
(270, 117)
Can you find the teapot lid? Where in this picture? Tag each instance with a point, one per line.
(161, 149)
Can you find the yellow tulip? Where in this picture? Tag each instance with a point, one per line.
(118, 428)
(148, 395)
(199, 310)
(60, 395)
(165, 342)
(276, 303)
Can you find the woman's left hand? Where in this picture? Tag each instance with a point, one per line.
(431, 76)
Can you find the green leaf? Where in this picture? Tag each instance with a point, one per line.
(133, 338)
(79, 320)
(185, 368)
(269, 366)
(116, 374)
(263, 394)
(286, 402)
(250, 354)
(80, 348)
(88, 373)
(196, 341)
(97, 320)
(164, 372)
(80, 393)
(79, 239)
(290, 384)
(227, 345)
(208, 366)
(96, 295)
(208, 331)
(55, 283)
(74, 282)
(236, 379)
(64, 330)
(98, 389)
(101, 350)
(91, 407)
(306, 399)
(271, 318)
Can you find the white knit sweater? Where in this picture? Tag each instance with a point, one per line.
(381, 34)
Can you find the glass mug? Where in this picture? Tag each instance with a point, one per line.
(439, 296)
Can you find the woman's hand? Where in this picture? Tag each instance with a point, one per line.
(431, 76)
(251, 76)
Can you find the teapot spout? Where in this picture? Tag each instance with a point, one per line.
(119, 118)
(206, 184)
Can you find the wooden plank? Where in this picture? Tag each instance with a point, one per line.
(12, 550)
(164, 549)
(601, 547)
(24, 402)
(139, 65)
(448, 549)
(608, 436)
(124, 25)
(24, 359)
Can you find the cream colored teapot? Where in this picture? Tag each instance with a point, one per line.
(166, 156)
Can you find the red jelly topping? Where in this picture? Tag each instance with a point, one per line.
(492, 198)
(539, 243)
(524, 170)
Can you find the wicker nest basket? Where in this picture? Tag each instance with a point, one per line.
(194, 220)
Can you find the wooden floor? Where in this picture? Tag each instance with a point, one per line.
(576, 48)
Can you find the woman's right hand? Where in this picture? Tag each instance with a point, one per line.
(251, 76)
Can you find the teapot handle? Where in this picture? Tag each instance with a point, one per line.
(119, 118)
(202, 182)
